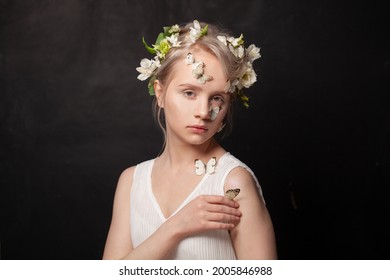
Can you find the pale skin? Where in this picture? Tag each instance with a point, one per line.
(190, 135)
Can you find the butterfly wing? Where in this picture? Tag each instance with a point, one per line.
(197, 69)
(214, 112)
(200, 167)
(232, 193)
(210, 167)
(204, 78)
(189, 59)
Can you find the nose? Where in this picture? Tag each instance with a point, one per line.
(202, 109)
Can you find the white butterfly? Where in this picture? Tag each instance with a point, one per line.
(197, 69)
(202, 168)
(214, 112)
(198, 72)
(204, 78)
(189, 59)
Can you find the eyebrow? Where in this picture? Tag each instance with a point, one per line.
(189, 85)
(194, 86)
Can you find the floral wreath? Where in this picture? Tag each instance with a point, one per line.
(170, 39)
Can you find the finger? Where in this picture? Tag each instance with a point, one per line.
(219, 199)
(223, 218)
(220, 225)
(220, 208)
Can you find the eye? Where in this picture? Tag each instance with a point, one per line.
(189, 93)
(217, 99)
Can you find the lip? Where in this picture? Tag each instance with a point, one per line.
(198, 128)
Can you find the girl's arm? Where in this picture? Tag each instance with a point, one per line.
(253, 238)
(207, 212)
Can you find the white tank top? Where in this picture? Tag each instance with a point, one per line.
(146, 215)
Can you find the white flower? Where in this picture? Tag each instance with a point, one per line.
(195, 32)
(253, 53)
(238, 51)
(174, 29)
(231, 86)
(147, 68)
(222, 39)
(236, 41)
(174, 40)
(234, 45)
(249, 78)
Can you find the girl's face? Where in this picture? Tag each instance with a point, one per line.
(189, 105)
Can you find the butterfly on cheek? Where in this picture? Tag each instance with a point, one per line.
(232, 193)
(214, 112)
(202, 168)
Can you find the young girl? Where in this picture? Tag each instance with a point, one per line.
(195, 200)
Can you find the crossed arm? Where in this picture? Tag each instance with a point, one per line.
(247, 219)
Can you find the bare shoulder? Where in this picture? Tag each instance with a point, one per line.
(242, 179)
(240, 175)
(125, 181)
(127, 174)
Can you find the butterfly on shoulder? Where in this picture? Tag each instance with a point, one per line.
(202, 168)
(232, 193)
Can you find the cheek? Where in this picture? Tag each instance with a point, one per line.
(175, 106)
(225, 111)
(222, 113)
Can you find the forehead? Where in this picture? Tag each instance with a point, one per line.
(212, 67)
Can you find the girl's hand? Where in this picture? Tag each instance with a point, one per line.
(206, 212)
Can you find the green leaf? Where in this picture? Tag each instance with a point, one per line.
(204, 30)
(244, 99)
(149, 49)
(151, 85)
(160, 37)
(151, 90)
(241, 39)
(166, 30)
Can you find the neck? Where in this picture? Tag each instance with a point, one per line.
(176, 155)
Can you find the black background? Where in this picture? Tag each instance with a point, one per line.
(73, 116)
